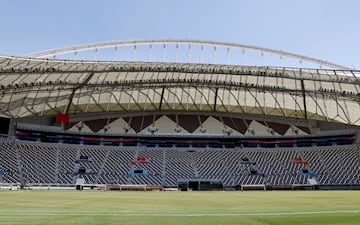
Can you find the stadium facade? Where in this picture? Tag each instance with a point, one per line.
(178, 110)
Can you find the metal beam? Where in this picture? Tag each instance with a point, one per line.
(161, 98)
(67, 108)
(304, 97)
(215, 99)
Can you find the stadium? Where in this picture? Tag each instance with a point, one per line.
(178, 114)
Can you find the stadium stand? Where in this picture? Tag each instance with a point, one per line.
(38, 163)
(140, 124)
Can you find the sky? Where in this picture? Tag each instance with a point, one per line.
(324, 29)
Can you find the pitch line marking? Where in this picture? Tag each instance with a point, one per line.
(181, 215)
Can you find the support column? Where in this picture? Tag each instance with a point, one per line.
(303, 95)
(12, 129)
(161, 98)
(215, 99)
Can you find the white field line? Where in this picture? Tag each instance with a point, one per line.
(179, 214)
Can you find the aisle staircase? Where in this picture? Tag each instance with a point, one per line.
(57, 166)
(102, 166)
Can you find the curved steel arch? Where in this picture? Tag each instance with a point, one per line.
(189, 42)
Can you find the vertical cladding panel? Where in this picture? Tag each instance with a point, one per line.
(305, 129)
(147, 121)
(240, 125)
(278, 128)
(165, 125)
(212, 126)
(189, 122)
(118, 125)
(96, 125)
(172, 117)
(202, 118)
(138, 123)
(127, 119)
(135, 123)
(228, 122)
(68, 126)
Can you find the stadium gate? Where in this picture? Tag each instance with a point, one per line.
(199, 185)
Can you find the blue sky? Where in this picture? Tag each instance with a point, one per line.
(325, 29)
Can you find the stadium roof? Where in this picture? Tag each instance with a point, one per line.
(46, 87)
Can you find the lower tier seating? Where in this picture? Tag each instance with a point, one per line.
(39, 163)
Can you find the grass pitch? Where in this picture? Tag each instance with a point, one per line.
(150, 208)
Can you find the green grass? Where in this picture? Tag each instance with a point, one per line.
(150, 208)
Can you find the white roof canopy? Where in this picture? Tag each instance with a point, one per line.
(47, 87)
